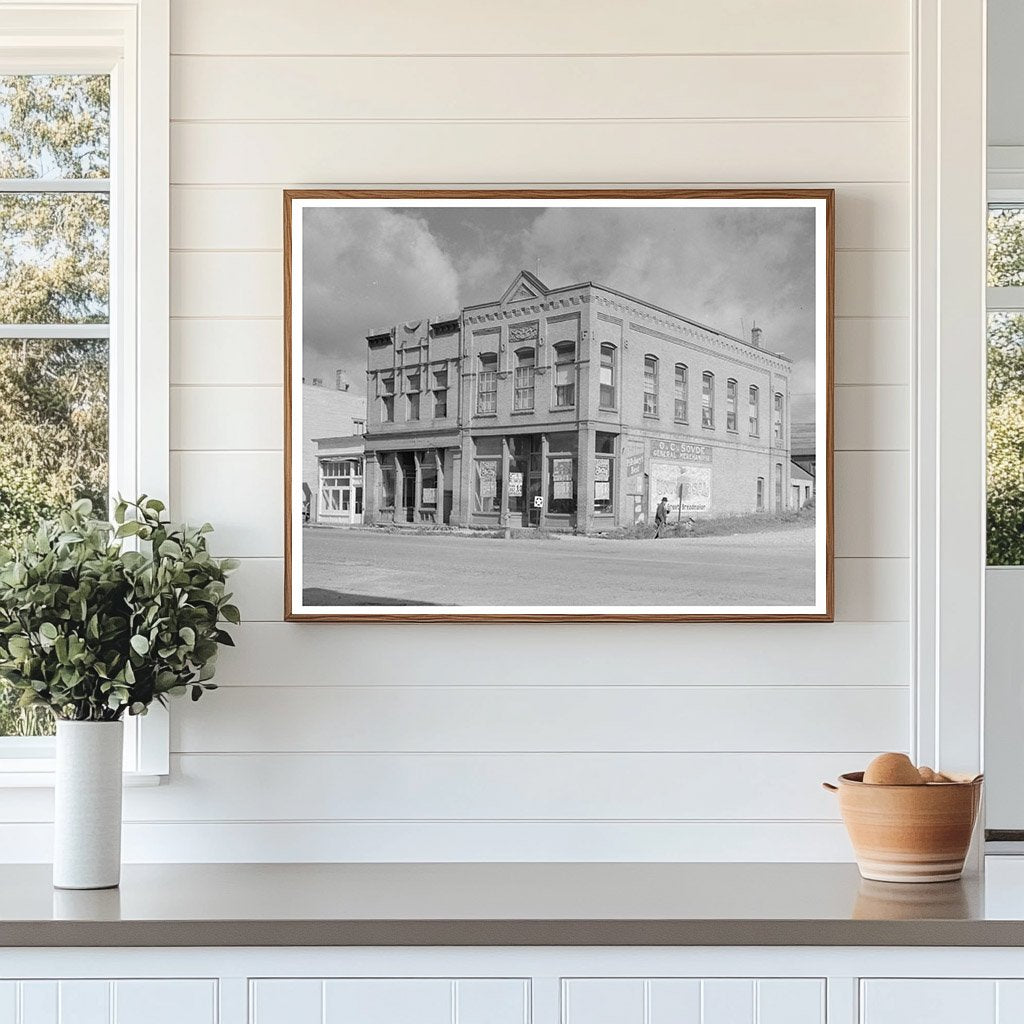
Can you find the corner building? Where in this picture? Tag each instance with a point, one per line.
(571, 408)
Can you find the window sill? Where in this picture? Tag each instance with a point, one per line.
(524, 412)
(35, 776)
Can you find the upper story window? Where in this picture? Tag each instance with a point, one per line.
(607, 397)
(487, 384)
(412, 397)
(731, 401)
(682, 393)
(526, 359)
(565, 374)
(650, 385)
(387, 398)
(707, 400)
(754, 404)
(441, 393)
(778, 431)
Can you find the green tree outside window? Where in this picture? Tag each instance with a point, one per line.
(54, 276)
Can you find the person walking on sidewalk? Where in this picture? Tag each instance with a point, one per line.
(661, 518)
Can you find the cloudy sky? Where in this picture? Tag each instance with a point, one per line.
(371, 268)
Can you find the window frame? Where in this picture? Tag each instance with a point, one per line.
(131, 44)
(707, 400)
(732, 405)
(653, 379)
(754, 421)
(681, 392)
(563, 365)
(607, 348)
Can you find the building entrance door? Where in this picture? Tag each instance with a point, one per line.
(524, 480)
(533, 510)
(406, 512)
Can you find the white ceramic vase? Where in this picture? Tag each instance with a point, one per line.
(87, 806)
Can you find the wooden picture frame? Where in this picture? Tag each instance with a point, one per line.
(477, 494)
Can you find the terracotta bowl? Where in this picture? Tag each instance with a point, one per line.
(909, 833)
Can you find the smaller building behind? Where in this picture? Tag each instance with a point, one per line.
(333, 419)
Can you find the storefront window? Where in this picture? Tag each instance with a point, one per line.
(487, 384)
(608, 400)
(428, 480)
(604, 473)
(524, 384)
(387, 487)
(565, 374)
(562, 484)
(487, 485)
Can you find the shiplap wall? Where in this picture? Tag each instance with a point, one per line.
(689, 741)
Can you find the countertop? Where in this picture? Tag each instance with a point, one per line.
(519, 904)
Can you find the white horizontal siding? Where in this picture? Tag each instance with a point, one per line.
(307, 88)
(536, 26)
(493, 719)
(467, 841)
(728, 152)
(748, 654)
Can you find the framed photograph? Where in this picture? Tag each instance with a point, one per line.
(558, 405)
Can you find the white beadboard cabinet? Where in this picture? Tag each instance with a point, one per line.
(105, 1001)
(513, 985)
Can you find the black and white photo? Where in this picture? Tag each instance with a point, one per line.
(559, 405)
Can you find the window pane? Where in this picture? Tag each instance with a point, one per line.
(53, 449)
(1005, 481)
(54, 261)
(1006, 246)
(54, 126)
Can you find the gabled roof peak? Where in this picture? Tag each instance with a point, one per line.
(525, 286)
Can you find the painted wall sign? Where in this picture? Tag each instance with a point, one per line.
(683, 451)
(635, 465)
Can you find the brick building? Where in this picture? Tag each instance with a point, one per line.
(571, 408)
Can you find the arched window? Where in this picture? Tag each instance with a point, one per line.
(650, 385)
(487, 384)
(608, 400)
(565, 374)
(731, 401)
(707, 400)
(754, 411)
(682, 393)
(526, 360)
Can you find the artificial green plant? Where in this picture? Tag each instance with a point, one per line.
(91, 627)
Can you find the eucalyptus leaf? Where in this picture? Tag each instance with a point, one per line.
(92, 631)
